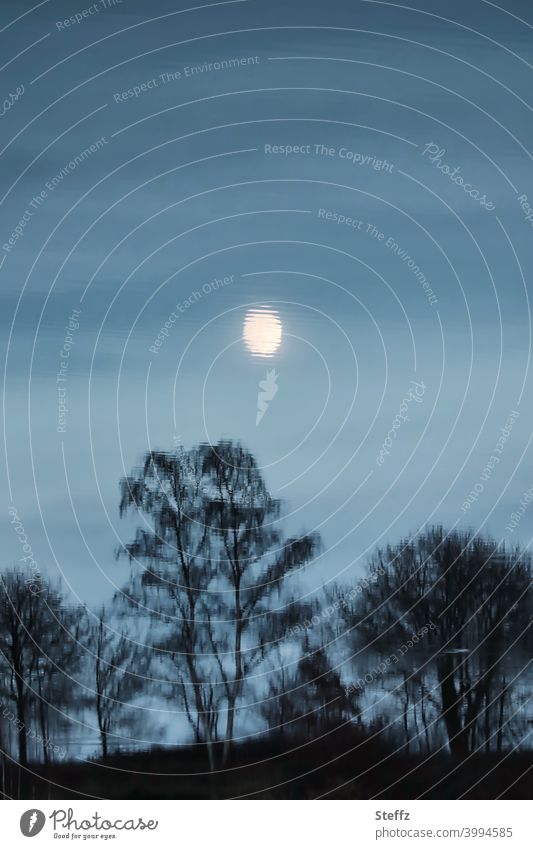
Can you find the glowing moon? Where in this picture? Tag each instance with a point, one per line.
(262, 332)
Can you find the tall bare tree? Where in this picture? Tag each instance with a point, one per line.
(214, 555)
(473, 597)
(37, 634)
(117, 665)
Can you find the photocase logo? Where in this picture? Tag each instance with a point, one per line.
(267, 390)
(32, 822)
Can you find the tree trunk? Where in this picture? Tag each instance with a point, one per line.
(230, 723)
(103, 737)
(21, 721)
(487, 722)
(501, 714)
(457, 739)
(23, 751)
(43, 723)
(236, 687)
(406, 715)
(424, 718)
(210, 755)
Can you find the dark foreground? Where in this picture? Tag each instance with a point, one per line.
(350, 768)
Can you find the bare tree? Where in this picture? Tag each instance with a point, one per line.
(307, 699)
(253, 562)
(58, 661)
(216, 560)
(473, 599)
(37, 635)
(116, 673)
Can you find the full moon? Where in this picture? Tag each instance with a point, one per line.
(262, 332)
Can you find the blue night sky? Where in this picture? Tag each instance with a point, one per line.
(310, 112)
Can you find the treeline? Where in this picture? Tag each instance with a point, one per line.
(428, 652)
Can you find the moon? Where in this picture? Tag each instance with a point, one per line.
(262, 331)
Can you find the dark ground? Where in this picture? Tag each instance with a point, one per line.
(344, 768)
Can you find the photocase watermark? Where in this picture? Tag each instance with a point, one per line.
(416, 393)
(32, 822)
(390, 661)
(492, 462)
(340, 603)
(78, 160)
(267, 390)
(183, 306)
(516, 515)
(30, 733)
(34, 582)
(65, 820)
(62, 375)
(369, 229)
(339, 218)
(11, 99)
(323, 150)
(436, 154)
(402, 254)
(526, 208)
(88, 12)
(39, 199)
(184, 73)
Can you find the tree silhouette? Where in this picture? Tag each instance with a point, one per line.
(473, 598)
(116, 666)
(214, 566)
(59, 659)
(37, 633)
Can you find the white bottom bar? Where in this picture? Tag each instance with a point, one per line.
(264, 824)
